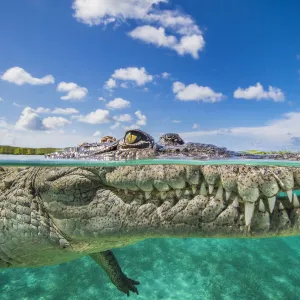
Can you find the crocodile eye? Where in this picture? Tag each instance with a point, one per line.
(132, 138)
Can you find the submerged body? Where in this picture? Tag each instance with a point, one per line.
(50, 215)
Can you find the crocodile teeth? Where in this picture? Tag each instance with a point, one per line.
(290, 195)
(147, 195)
(227, 195)
(126, 191)
(210, 188)
(261, 206)
(295, 201)
(178, 193)
(271, 202)
(194, 189)
(249, 209)
(219, 194)
(163, 195)
(203, 190)
(235, 202)
(280, 207)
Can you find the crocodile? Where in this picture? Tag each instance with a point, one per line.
(137, 144)
(51, 214)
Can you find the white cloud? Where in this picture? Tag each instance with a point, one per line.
(116, 125)
(257, 92)
(195, 126)
(98, 116)
(153, 35)
(188, 44)
(123, 118)
(57, 111)
(65, 111)
(17, 105)
(124, 85)
(3, 123)
(29, 120)
(101, 99)
(19, 76)
(189, 40)
(110, 84)
(165, 75)
(132, 126)
(278, 134)
(1, 100)
(43, 110)
(53, 123)
(97, 133)
(118, 103)
(74, 91)
(176, 121)
(194, 92)
(298, 56)
(142, 120)
(137, 75)
(95, 12)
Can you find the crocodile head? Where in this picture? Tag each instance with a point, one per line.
(108, 207)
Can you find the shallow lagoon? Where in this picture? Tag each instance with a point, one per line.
(169, 269)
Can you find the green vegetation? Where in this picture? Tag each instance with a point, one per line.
(266, 152)
(26, 151)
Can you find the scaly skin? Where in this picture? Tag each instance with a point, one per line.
(51, 215)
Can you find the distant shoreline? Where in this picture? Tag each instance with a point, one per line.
(26, 151)
(41, 151)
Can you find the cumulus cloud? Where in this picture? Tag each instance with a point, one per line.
(137, 75)
(115, 126)
(3, 123)
(189, 44)
(123, 118)
(1, 100)
(98, 116)
(43, 110)
(57, 111)
(194, 92)
(53, 123)
(97, 133)
(94, 12)
(118, 103)
(30, 120)
(165, 75)
(195, 126)
(176, 121)
(65, 111)
(101, 99)
(142, 120)
(257, 92)
(73, 90)
(186, 37)
(110, 84)
(19, 76)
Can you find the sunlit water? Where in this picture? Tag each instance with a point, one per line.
(168, 268)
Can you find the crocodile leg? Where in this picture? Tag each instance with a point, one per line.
(110, 265)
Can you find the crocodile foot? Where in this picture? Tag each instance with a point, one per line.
(125, 284)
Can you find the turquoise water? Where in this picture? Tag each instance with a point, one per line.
(168, 268)
(172, 269)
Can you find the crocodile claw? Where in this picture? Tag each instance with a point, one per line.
(125, 284)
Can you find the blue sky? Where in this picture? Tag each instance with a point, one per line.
(221, 72)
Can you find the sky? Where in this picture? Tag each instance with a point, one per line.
(219, 72)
